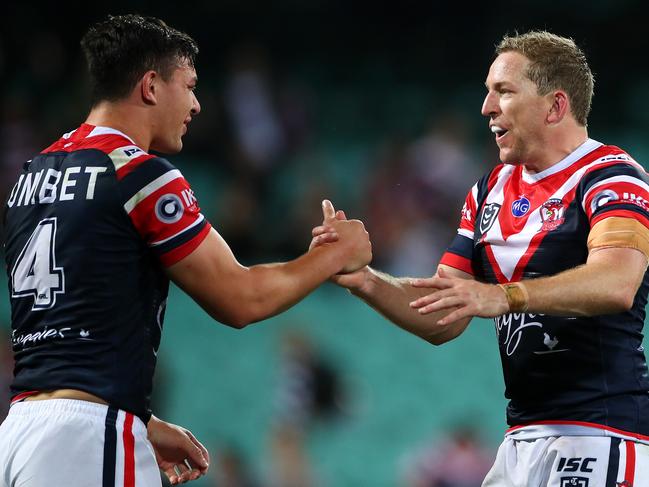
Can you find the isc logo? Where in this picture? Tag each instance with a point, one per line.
(575, 464)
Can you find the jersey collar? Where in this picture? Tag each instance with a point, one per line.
(588, 146)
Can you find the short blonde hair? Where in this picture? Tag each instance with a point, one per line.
(555, 63)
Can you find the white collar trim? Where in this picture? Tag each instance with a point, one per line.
(98, 130)
(588, 146)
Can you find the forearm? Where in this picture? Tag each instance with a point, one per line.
(273, 288)
(391, 297)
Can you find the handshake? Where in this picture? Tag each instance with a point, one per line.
(352, 242)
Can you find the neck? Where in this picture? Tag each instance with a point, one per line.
(125, 117)
(556, 147)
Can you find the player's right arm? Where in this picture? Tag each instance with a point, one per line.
(391, 297)
(238, 295)
(165, 213)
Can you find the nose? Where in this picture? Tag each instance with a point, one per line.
(490, 105)
(196, 107)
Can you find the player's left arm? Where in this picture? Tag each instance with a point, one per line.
(606, 283)
(615, 200)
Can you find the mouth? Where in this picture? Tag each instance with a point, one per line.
(499, 131)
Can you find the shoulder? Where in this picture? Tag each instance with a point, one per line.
(611, 162)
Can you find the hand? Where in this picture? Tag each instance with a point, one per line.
(351, 234)
(467, 297)
(326, 233)
(178, 453)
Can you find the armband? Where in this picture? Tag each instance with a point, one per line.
(517, 296)
(617, 232)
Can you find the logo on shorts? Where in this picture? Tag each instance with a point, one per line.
(552, 214)
(574, 482)
(169, 208)
(520, 207)
(489, 214)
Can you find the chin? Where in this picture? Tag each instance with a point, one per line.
(507, 156)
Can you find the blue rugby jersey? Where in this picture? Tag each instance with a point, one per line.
(518, 226)
(89, 227)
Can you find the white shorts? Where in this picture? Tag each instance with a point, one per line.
(570, 461)
(64, 442)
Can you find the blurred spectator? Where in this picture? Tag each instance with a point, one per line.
(459, 460)
(230, 469)
(415, 195)
(309, 391)
(18, 139)
(250, 105)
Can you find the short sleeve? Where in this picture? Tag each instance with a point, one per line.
(621, 190)
(163, 209)
(459, 254)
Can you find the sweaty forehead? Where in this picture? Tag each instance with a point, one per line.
(186, 71)
(509, 67)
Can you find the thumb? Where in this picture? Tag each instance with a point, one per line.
(328, 211)
(441, 272)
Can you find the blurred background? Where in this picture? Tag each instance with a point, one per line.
(377, 107)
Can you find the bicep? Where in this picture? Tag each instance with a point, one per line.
(211, 275)
(619, 264)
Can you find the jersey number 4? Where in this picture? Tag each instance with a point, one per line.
(35, 272)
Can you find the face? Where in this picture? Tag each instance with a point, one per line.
(517, 113)
(177, 104)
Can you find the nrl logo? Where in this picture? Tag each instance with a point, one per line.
(489, 214)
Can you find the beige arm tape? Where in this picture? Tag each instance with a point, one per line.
(618, 232)
(517, 296)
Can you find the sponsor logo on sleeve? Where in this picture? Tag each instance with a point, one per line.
(635, 199)
(602, 198)
(169, 208)
(466, 213)
(552, 214)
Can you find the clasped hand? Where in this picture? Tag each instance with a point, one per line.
(349, 233)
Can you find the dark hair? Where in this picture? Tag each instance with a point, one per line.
(555, 63)
(122, 48)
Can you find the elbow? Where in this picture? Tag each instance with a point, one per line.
(619, 300)
(232, 318)
(623, 300)
(238, 323)
(438, 340)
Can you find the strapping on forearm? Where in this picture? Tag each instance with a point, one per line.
(517, 296)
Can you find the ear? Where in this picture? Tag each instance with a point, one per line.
(559, 108)
(148, 86)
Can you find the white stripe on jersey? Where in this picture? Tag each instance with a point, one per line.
(474, 195)
(615, 179)
(123, 155)
(108, 131)
(466, 233)
(160, 242)
(150, 188)
(585, 148)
